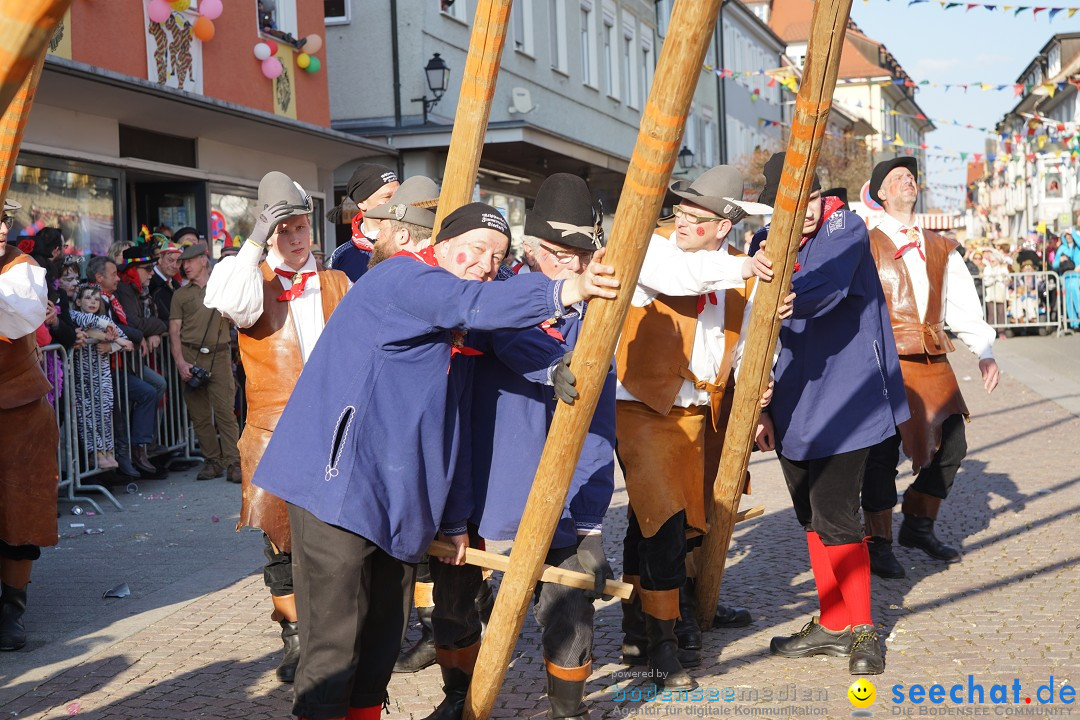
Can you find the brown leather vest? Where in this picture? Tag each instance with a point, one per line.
(914, 335)
(270, 348)
(22, 381)
(653, 357)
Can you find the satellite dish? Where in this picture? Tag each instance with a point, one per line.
(521, 101)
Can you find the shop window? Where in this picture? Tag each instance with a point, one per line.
(233, 212)
(82, 205)
(336, 12)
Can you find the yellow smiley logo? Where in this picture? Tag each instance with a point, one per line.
(861, 693)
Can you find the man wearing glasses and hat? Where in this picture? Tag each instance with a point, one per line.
(280, 306)
(199, 341)
(675, 360)
(927, 286)
(28, 470)
(370, 186)
(517, 380)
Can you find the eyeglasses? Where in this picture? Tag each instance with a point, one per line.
(6, 221)
(680, 212)
(564, 257)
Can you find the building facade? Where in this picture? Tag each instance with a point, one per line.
(137, 121)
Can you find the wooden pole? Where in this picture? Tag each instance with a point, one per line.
(474, 107)
(677, 74)
(26, 26)
(828, 26)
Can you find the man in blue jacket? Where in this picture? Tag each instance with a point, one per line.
(514, 396)
(366, 465)
(369, 187)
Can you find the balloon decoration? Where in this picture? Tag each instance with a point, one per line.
(314, 65)
(271, 68)
(303, 60)
(262, 51)
(158, 11)
(203, 29)
(312, 44)
(273, 47)
(180, 5)
(211, 9)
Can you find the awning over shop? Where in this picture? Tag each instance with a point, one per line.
(940, 221)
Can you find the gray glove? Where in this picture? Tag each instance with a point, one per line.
(564, 380)
(590, 554)
(268, 220)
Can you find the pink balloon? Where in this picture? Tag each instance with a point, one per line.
(211, 9)
(271, 68)
(158, 11)
(313, 44)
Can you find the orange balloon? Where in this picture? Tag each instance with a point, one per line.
(203, 29)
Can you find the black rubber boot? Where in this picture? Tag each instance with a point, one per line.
(422, 654)
(286, 669)
(12, 607)
(455, 688)
(687, 631)
(664, 667)
(918, 532)
(878, 526)
(635, 644)
(567, 697)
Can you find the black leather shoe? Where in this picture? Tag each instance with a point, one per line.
(918, 532)
(731, 617)
(12, 630)
(422, 654)
(286, 670)
(813, 639)
(882, 561)
(665, 670)
(866, 657)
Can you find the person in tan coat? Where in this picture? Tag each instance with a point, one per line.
(280, 306)
(28, 468)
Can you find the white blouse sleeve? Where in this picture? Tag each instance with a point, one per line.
(23, 300)
(963, 310)
(235, 288)
(667, 270)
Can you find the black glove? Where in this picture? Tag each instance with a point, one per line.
(590, 554)
(268, 220)
(564, 380)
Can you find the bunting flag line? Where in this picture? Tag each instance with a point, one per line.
(1051, 12)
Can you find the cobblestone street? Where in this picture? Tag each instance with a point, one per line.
(194, 638)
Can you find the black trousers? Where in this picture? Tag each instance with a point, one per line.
(277, 572)
(660, 560)
(936, 479)
(352, 599)
(565, 615)
(825, 493)
(19, 552)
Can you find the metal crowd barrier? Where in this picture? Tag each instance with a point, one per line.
(1023, 300)
(81, 404)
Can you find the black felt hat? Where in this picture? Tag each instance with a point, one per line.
(774, 168)
(564, 214)
(140, 254)
(365, 181)
(884, 167)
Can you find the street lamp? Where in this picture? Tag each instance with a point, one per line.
(438, 79)
(686, 160)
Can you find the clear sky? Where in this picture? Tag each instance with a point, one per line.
(958, 46)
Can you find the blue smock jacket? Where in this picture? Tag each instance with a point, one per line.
(513, 404)
(374, 451)
(838, 382)
(350, 260)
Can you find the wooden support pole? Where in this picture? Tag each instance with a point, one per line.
(474, 107)
(26, 26)
(677, 74)
(550, 574)
(828, 26)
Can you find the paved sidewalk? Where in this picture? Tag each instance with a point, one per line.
(194, 639)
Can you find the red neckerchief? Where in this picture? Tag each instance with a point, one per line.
(916, 243)
(701, 301)
(831, 205)
(117, 308)
(457, 337)
(298, 279)
(359, 239)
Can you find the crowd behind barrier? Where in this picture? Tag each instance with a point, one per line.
(1025, 300)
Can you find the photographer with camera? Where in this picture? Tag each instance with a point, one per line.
(199, 338)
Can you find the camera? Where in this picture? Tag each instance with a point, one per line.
(199, 377)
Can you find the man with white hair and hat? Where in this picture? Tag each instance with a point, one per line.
(675, 360)
(280, 306)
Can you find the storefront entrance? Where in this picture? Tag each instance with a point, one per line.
(169, 203)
